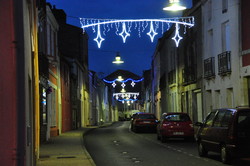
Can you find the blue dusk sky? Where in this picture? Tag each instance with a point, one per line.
(138, 50)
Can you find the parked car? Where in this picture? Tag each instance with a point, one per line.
(143, 121)
(226, 131)
(175, 125)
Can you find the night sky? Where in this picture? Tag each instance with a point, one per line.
(137, 51)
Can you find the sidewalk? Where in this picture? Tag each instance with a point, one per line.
(66, 149)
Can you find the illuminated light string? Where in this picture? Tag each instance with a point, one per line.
(126, 95)
(127, 100)
(123, 82)
(129, 79)
(140, 24)
(177, 38)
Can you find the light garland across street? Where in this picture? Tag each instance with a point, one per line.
(103, 26)
(127, 96)
(123, 81)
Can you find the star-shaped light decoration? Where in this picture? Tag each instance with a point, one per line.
(123, 85)
(113, 84)
(152, 32)
(124, 34)
(132, 83)
(177, 38)
(99, 38)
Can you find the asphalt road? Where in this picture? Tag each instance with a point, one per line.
(117, 145)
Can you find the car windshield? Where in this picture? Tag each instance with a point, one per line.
(177, 117)
(146, 116)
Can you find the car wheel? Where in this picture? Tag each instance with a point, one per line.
(225, 157)
(201, 150)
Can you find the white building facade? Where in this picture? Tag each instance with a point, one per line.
(221, 45)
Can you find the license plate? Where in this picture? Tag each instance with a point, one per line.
(146, 121)
(178, 133)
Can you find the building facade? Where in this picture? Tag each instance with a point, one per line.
(221, 56)
(19, 87)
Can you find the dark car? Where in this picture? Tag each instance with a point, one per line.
(143, 121)
(175, 125)
(226, 131)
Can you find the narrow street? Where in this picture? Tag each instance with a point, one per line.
(117, 145)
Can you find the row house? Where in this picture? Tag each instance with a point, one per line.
(73, 47)
(63, 74)
(176, 71)
(19, 85)
(102, 107)
(223, 83)
(210, 68)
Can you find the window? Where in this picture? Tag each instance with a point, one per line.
(226, 118)
(209, 119)
(224, 6)
(210, 43)
(218, 118)
(244, 120)
(226, 37)
(177, 118)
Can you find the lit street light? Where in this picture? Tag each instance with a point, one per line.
(174, 5)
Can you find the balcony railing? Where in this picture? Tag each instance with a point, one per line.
(172, 77)
(188, 75)
(224, 63)
(209, 68)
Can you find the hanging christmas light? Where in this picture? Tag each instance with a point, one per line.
(177, 36)
(128, 24)
(120, 79)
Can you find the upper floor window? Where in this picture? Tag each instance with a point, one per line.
(226, 37)
(51, 41)
(210, 43)
(209, 10)
(224, 6)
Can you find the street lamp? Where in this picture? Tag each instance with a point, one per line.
(174, 5)
(120, 79)
(118, 59)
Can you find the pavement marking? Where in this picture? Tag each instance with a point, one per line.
(170, 147)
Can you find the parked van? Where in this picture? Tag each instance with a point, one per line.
(226, 131)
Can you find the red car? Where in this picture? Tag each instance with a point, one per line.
(175, 125)
(146, 121)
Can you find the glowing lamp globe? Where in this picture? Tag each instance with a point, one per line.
(118, 59)
(174, 5)
(119, 78)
